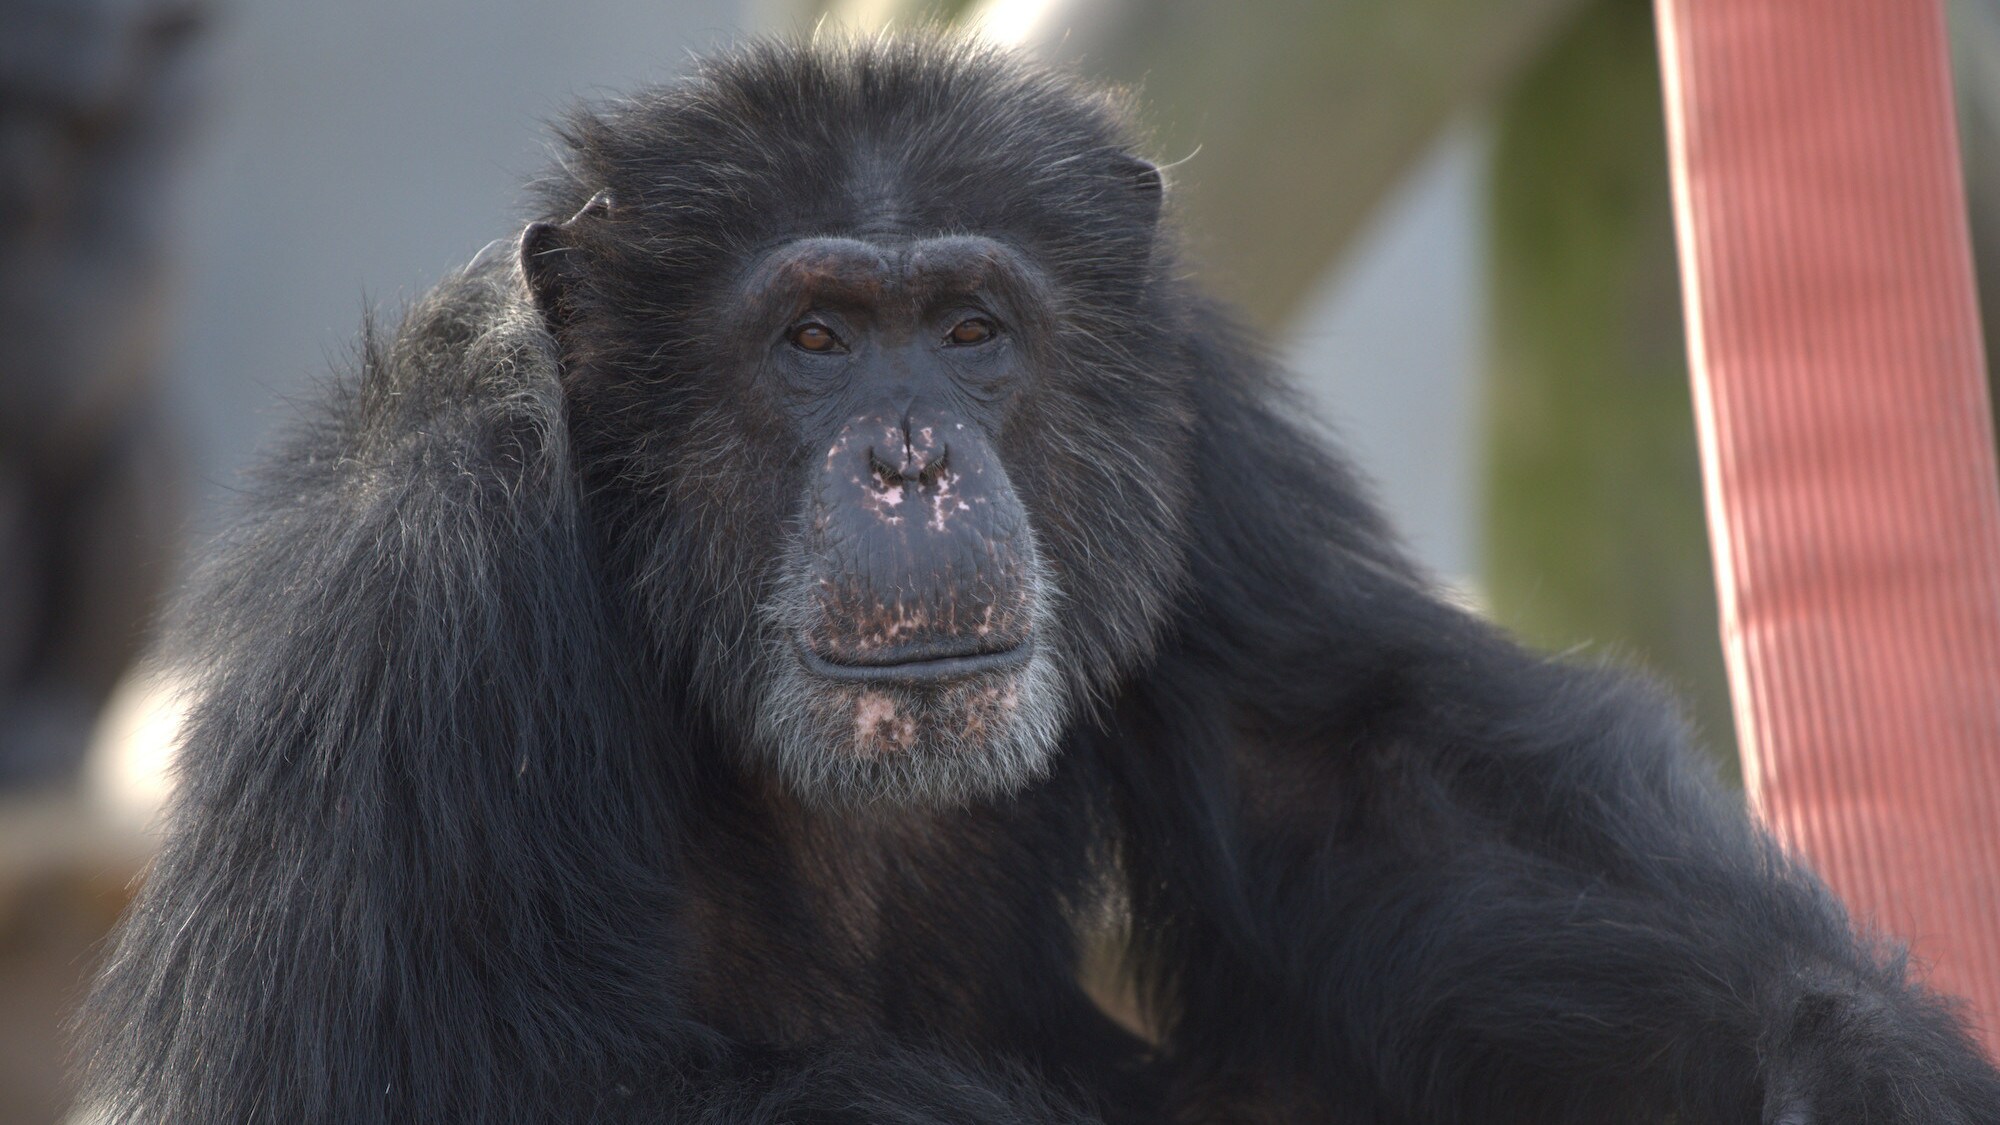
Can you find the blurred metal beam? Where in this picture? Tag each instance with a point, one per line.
(1284, 121)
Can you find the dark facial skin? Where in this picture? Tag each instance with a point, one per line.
(916, 650)
(895, 359)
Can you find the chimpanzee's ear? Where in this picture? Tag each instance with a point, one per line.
(546, 260)
(1144, 177)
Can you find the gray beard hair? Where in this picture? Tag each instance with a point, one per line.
(944, 745)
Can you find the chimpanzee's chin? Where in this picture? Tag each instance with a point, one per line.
(919, 741)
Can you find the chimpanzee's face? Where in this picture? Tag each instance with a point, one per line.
(912, 643)
(893, 502)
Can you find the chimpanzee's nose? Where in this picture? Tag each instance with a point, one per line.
(921, 460)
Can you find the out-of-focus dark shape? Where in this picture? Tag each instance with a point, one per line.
(95, 97)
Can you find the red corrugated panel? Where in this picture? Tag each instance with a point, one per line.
(1848, 450)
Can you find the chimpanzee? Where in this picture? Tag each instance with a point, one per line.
(731, 660)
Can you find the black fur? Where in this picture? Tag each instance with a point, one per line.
(468, 831)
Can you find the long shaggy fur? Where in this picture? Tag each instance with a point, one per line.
(471, 825)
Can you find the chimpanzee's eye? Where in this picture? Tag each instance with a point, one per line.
(812, 336)
(972, 330)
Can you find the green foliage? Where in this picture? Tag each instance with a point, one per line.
(1595, 531)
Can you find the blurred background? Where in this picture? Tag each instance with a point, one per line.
(1451, 216)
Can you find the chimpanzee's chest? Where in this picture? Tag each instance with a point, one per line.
(926, 928)
(805, 925)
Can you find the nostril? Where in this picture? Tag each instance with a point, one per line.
(926, 472)
(890, 475)
(934, 469)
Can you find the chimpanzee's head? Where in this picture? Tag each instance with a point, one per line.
(879, 398)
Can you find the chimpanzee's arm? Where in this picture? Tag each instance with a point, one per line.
(420, 862)
(1386, 866)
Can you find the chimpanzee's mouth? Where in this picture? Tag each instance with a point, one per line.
(937, 663)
